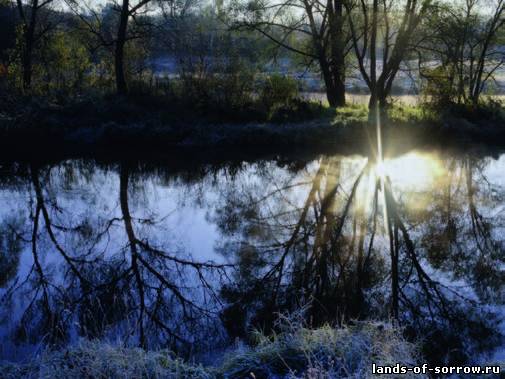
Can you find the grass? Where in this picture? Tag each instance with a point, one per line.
(405, 113)
(397, 113)
(99, 360)
(154, 123)
(295, 352)
(351, 114)
(346, 352)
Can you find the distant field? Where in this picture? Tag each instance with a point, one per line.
(363, 99)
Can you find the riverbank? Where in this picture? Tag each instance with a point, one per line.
(345, 352)
(88, 128)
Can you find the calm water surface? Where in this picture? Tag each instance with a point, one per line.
(190, 259)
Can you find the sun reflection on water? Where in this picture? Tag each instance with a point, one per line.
(408, 176)
(411, 171)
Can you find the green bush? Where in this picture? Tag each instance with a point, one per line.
(278, 91)
(297, 110)
(225, 86)
(438, 89)
(61, 65)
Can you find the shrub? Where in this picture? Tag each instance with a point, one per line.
(61, 65)
(65, 61)
(278, 91)
(297, 110)
(438, 89)
(221, 86)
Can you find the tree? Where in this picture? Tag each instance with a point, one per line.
(126, 10)
(312, 29)
(64, 61)
(382, 33)
(465, 43)
(32, 31)
(7, 29)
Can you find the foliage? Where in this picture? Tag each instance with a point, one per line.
(225, 74)
(465, 43)
(278, 91)
(62, 64)
(228, 87)
(438, 88)
(487, 111)
(137, 56)
(222, 85)
(7, 30)
(296, 110)
(14, 68)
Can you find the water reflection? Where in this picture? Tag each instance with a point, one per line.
(92, 267)
(99, 250)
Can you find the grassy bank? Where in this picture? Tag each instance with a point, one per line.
(346, 352)
(121, 124)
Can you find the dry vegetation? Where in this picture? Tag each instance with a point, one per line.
(296, 352)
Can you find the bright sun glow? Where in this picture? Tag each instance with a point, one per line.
(380, 169)
(410, 171)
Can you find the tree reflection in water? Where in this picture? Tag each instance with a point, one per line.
(91, 251)
(351, 250)
(101, 274)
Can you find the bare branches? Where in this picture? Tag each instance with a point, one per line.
(315, 29)
(464, 45)
(31, 23)
(373, 19)
(142, 263)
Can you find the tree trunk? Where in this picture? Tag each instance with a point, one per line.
(334, 84)
(29, 40)
(27, 59)
(334, 94)
(377, 119)
(377, 104)
(336, 70)
(121, 86)
(123, 200)
(394, 274)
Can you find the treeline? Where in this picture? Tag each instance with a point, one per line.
(456, 46)
(453, 49)
(79, 45)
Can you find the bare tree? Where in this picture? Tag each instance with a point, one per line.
(464, 43)
(311, 28)
(32, 31)
(482, 72)
(102, 284)
(382, 32)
